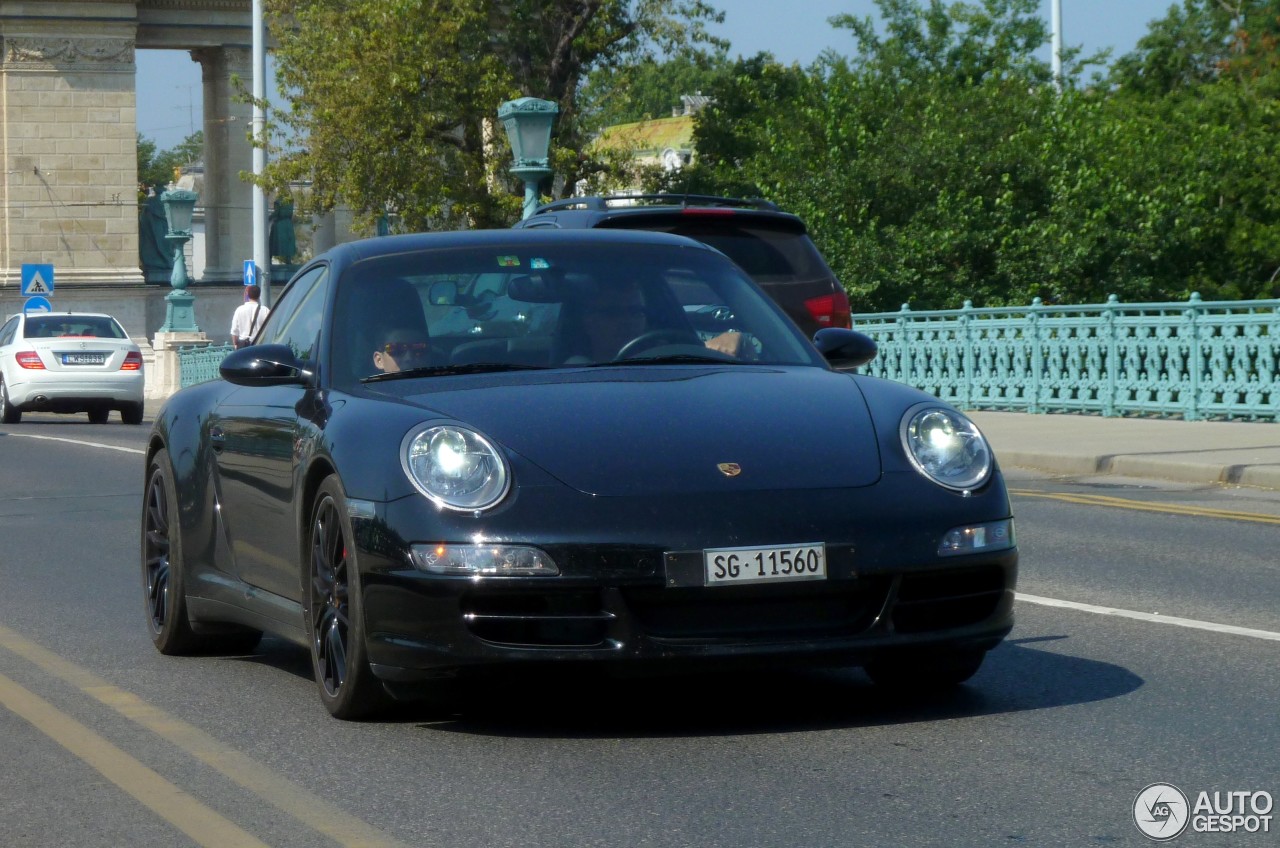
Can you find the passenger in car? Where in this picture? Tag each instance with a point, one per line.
(402, 349)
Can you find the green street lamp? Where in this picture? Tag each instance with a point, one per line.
(179, 313)
(528, 123)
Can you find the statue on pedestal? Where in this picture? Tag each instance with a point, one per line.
(155, 253)
(281, 240)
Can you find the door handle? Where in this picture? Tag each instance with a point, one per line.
(217, 439)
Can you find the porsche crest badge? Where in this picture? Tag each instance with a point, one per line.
(729, 469)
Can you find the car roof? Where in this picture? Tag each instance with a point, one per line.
(356, 251)
(596, 210)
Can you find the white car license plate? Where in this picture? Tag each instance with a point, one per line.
(736, 566)
(84, 358)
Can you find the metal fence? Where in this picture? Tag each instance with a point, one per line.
(199, 364)
(1194, 359)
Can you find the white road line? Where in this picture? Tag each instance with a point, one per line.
(74, 442)
(1154, 618)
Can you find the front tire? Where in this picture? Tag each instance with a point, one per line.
(162, 564)
(335, 611)
(9, 413)
(164, 574)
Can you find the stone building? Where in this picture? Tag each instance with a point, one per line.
(68, 132)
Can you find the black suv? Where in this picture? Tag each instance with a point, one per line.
(772, 246)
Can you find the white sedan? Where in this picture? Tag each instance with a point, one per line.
(69, 362)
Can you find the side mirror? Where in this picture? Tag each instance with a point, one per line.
(263, 365)
(845, 348)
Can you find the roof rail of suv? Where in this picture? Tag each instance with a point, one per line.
(604, 203)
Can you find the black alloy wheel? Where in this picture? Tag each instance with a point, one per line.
(9, 414)
(164, 573)
(162, 563)
(335, 620)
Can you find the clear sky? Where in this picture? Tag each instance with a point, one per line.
(169, 88)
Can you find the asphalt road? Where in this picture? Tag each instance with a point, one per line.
(1145, 652)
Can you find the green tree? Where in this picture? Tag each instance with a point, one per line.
(393, 102)
(913, 162)
(1201, 42)
(652, 87)
(157, 167)
(937, 164)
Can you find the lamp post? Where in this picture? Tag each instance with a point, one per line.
(528, 123)
(179, 313)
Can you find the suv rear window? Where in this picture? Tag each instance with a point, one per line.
(767, 254)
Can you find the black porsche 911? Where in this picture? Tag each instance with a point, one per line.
(460, 453)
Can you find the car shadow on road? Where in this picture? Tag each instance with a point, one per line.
(1016, 677)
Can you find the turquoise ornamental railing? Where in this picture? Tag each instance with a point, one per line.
(1195, 359)
(200, 364)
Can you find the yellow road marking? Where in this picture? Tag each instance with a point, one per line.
(202, 824)
(311, 811)
(1147, 506)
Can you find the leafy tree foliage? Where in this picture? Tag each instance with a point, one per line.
(939, 164)
(651, 88)
(393, 102)
(158, 167)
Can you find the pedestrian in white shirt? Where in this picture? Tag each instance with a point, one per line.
(248, 317)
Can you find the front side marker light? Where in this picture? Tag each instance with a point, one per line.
(977, 538)
(483, 560)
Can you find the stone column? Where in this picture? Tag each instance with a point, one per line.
(227, 200)
(68, 139)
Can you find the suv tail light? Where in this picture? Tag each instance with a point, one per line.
(29, 359)
(132, 361)
(707, 212)
(831, 310)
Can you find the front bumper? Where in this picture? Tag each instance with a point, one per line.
(627, 603)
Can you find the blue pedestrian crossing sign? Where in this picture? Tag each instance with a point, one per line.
(250, 272)
(36, 279)
(36, 304)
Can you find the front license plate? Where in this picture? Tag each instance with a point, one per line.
(736, 566)
(84, 358)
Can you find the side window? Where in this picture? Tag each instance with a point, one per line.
(8, 330)
(295, 320)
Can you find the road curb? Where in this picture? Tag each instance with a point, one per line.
(1181, 471)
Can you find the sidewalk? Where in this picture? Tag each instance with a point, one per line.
(1237, 453)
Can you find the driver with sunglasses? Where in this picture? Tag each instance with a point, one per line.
(402, 350)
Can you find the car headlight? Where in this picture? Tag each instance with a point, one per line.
(946, 447)
(457, 468)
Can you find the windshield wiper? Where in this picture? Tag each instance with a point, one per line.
(450, 370)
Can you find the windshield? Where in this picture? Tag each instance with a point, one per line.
(463, 310)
